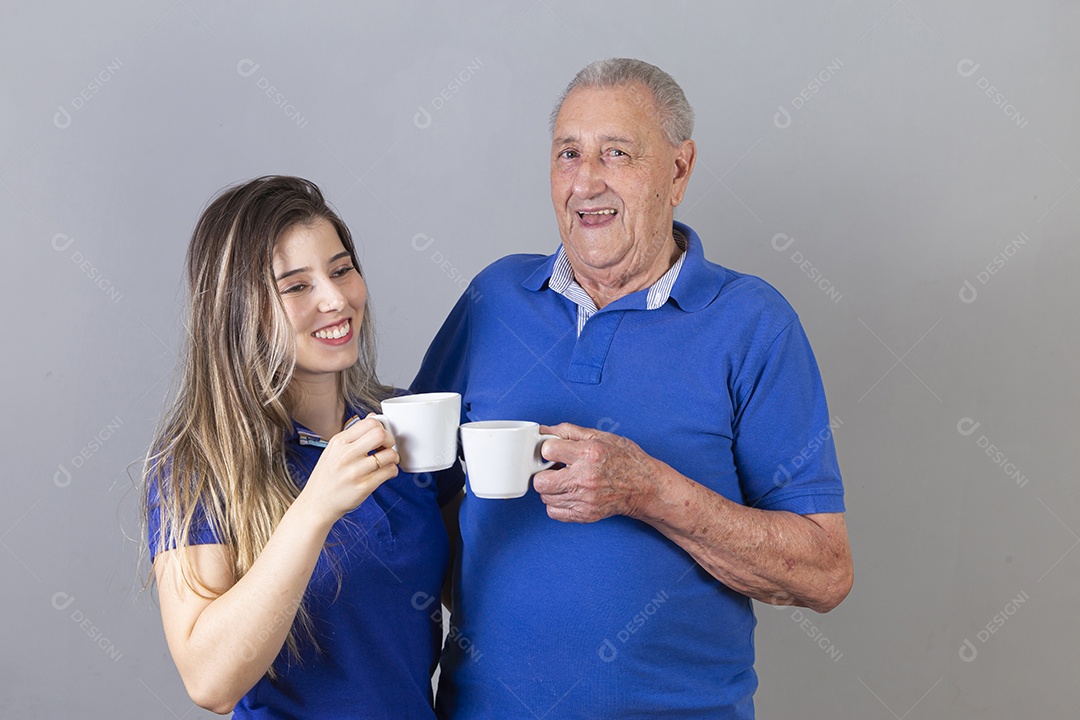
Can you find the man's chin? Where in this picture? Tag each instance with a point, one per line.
(597, 237)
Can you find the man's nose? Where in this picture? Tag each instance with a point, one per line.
(589, 178)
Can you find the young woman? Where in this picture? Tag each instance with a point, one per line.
(295, 564)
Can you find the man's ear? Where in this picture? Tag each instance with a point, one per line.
(685, 156)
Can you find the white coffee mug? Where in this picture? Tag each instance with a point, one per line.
(424, 428)
(501, 456)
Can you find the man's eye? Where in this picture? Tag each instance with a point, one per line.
(616, 152)
(568, 154)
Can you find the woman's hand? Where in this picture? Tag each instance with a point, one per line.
(347, 474)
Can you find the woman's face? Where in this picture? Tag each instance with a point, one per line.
(324, 298)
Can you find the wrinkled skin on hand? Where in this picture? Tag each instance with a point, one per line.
(601, 475)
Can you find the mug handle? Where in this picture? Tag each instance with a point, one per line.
(386, 424)
(542, 463)
(461, 451)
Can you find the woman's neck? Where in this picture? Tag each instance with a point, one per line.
(318, 406)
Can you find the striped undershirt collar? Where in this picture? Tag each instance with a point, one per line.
(306, 437)
(562, 281)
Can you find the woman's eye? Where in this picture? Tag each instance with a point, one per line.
(617, 153)
(343, 270)
(293, 289)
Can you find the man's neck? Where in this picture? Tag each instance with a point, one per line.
(606, 288)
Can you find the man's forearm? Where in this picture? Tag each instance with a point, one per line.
(775, 557)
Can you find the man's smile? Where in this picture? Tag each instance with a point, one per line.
(598, 217)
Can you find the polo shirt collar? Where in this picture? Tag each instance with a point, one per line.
(699, 281)
(540, 277)
(302, 436)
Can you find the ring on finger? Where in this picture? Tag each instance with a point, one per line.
(375, 457)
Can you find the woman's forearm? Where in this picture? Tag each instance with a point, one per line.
(236, 637)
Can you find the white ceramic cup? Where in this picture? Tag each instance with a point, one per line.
(424, 428)
(501, 456)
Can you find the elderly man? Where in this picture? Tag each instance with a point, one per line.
(696, 468)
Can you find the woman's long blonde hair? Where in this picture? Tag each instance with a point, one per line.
(218, 456)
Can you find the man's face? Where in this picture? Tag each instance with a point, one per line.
(615, 181)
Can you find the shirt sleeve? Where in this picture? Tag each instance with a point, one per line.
(201, 532)
(783, 436)
(445, 369)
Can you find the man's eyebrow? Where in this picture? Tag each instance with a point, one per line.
(282, 276)
(573, 139)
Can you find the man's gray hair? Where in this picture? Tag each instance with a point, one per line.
(676, 115)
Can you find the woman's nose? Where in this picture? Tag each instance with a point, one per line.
(330, 298)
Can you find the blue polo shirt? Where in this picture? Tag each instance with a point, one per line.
(379, 634)
(611, 619)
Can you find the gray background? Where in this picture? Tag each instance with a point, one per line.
(861, 132)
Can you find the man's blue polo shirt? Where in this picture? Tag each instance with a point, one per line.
(611, 619)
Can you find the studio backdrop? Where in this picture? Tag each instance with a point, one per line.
(905, 172)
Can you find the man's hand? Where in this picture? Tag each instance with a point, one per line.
(603, 475)
(776, 557)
